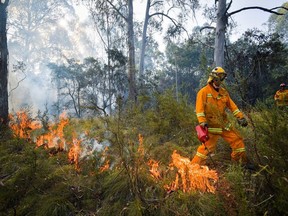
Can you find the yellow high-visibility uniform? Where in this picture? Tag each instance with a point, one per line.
(211, 107)
(281, 98)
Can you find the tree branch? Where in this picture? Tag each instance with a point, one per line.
(165, 15)
(155, 3)
(172, 20)
(116, 9)
(258, 8)
(228, 7)
(207, 27)
(21, 67)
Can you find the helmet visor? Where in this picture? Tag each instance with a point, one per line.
(222, 76)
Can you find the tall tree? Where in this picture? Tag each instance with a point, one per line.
(279, 24)
(40, 32)
(82, 87)
(160, 10)
(222, 22)
(71, 81)
(131, 51)
(189, 61)
(4, 109)
(105, 29)
(31, 23)
(121, 13)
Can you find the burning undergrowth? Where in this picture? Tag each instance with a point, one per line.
(66, 168)
(188, 177)
(51, 136)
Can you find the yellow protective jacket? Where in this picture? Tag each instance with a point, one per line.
(211, 108)
(281, 97)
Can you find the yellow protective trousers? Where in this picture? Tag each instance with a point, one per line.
(232, 137)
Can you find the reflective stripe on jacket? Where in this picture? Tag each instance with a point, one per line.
(211, 108)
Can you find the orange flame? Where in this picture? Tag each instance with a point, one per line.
(55, 135)
(141, 145)
(107, 162)
(74, 152)
(105, 166)
(154, 169)
(189, 177)
(193, 176)
(174, 185)
(22, 125)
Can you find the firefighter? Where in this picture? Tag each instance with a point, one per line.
(281, 96)
(211, 104)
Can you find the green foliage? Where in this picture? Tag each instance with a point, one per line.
(256, 65)
(91, 127)
(188, 63)
(271, 130)
(179, 203)
(54, 206)
(279, 23)
(160, 120)
(172, 120)
(270, 137)
(36, 182)
(261, 191)
(235, 176)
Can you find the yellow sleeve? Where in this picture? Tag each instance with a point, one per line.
(234, 109)
(286, 95)
(200, 106)
(276, 96)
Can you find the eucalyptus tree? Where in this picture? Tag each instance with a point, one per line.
(30, 24)
(156, 11)
(83, 86)
(222, 22)
(111, 38)
(119, 13)
(279, 24)
(96, 95)
(189, 61)
(4, 108)
(72, 82)
(41, 32)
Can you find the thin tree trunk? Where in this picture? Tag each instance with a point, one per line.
(4, 110)
(131, 47)
(109, 68)
(220, 34)
(144, 40)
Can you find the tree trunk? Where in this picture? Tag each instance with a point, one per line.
(144, 40)
(3, 63)
(220, 33)
(131, 47)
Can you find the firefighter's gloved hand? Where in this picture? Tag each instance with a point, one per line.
(243, 122)
(204, 124)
